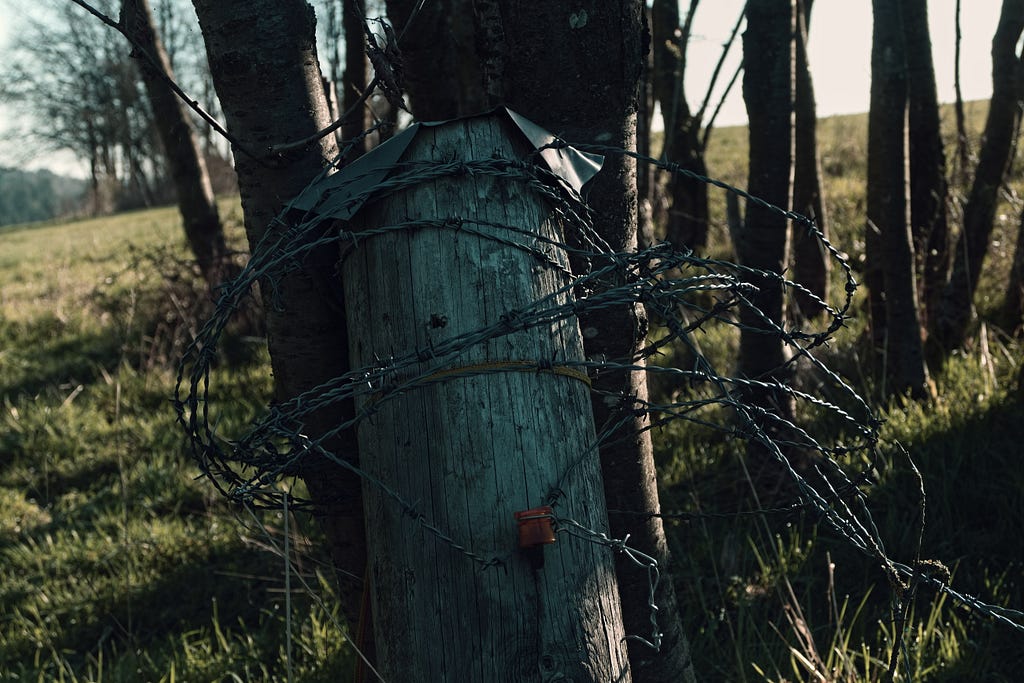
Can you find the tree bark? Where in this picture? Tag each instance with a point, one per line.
(262, 56)
(645, 178)
(769, 91)
(997, 143)
(888, 205)
(442, 75)
(473, 450)
(196, 202)
(354, 81)
(332, 37)
(587, 93)
(1013, 305)
(928, 186)
(811, 265)
(962, 145)
(687, 225)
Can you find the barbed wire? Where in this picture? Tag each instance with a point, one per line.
(638, 558)
(685, 293)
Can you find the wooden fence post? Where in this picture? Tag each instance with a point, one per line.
(488, 435)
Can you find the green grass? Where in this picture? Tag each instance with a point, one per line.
(116, 564)
(779, 598)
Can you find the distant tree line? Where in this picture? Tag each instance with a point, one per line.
(27, 196)
(78, 89)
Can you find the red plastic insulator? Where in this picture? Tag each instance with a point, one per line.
(535, 527)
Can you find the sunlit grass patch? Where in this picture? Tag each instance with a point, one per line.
(116, 563)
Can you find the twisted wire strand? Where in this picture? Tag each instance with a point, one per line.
(685, 292)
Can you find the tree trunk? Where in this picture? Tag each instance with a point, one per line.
(442, 75)
(555, 88)
(263, 60)
(768, 90)
(1004, 116)
(928, 186)
(687, 225)
(184, 159)
(962, 146)
(887, 203)
(1013, 305)
(472, 450)
(355, 79)
(332, 38)
(811, 264)
(645, 179)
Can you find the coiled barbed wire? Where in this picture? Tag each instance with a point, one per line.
(685, 292)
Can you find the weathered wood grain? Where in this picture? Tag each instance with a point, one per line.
(471, 451)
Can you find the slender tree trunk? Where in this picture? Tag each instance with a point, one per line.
(262, 55)
(997, 143)
(442, 75)
(687, 225)
(355, 79)
(332, 36)
(645, 183)
(768, 90)
(94, 185)
(887, 202)
(929, 191)
(136, 175)
(811, 264)
(962, 147)
(185, 161)
(523, 71)
(1013, 306)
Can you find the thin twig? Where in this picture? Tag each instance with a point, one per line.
(710, 125)
(726, 47)
(678, 91)
(159, 69)
(342, 120)
(375, 83)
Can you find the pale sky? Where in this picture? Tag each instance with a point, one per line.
(839, 50)
(839, 53)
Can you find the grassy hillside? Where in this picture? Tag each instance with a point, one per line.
(37, 195)
(775, 599)
(116, 564)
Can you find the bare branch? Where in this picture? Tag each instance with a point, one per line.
(714, 115)
(192, 104)
(384, 62)
(99, 15)
(962, 154)
(679, 92)
(342, 120)
(718, 68)
(688, 22)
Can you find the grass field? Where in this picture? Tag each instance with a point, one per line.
(116, 564)
(784, 600)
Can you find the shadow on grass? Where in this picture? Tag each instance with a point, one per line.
(182, 600)
(974, 521)
(973, 482)
(732, 570)
(62, 362)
